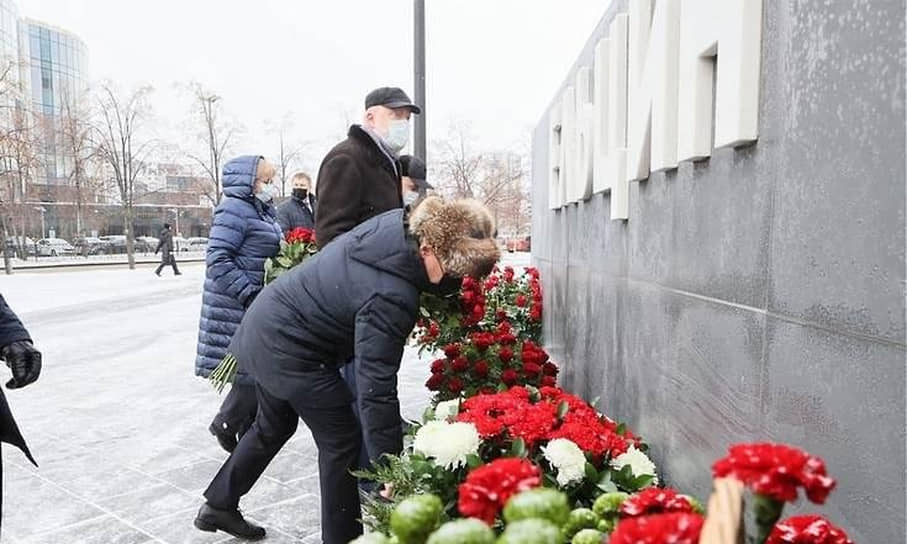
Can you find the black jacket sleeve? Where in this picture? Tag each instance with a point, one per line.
(382, 326)
(11, 329)
(339, 194)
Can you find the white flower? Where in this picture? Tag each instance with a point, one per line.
(639, 463)
(449, 444)
(567, 458)
(447, 409)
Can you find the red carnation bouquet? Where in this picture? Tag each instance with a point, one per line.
(809, 529)
(672, 528)
(488, 488)
(653, 500)
(296, 247)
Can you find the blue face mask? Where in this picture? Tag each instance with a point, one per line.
(398, 134)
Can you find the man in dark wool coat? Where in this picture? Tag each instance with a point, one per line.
(357, 296)
(25, 363)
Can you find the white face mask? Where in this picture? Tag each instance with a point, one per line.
(398, 134)
(410, 198)
(267, 193)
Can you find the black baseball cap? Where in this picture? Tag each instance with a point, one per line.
(414, 168)
(390, 97)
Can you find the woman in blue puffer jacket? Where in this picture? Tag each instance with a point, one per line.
(244, 234)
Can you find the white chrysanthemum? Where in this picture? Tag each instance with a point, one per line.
(639, 463)
(567, 458)
(447, 409)
(449, 444)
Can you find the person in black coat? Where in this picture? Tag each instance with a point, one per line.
(360, 177)
(165, 246)
(359, 295)
(298, 211)
(25, 363)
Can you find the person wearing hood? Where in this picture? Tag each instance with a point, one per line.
(244, 234)
(357, 296)
(298, 211)
(360, 177)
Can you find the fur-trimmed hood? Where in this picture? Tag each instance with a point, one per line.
(461, 233)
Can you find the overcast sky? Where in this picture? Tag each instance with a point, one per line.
(492, 63)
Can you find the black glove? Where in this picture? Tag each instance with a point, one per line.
(24, 361)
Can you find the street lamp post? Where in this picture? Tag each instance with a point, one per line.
(177, 214)
(43, 210)
(419, 76)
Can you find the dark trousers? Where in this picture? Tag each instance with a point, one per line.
(238, 409)
(171, 262)
(337, 436)
(348, 371)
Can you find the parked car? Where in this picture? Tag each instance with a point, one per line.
(117, 242)
(52, 247)
(146, 244)
(518, 244)
(90, 245)
(180, 244)
(198, 243)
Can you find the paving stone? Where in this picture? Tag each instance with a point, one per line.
(157, 501)
(34, 505)
(101, 530)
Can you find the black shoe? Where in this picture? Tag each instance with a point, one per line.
(232, 522)
(158, 274)
(225, 435)
(177, 273)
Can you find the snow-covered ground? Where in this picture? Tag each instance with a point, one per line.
(118, 421)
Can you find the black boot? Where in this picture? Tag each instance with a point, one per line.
(225, 434)
(211, 519)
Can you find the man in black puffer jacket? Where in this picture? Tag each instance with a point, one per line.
(359, 295)
(25, 362)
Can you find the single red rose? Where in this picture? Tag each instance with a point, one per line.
(435, 382)
(776, 471)
(509, 376)
(549, 381)
(521, 301)
(468, 297)
(672, 528)
(459, 364)
(455, 385)
(469, 283)
(488, 391)
(809, 529)
(531, 370)
(505, 354)
(437, 367)
(434, 329)
(535, 314)
(488, 488)
(655, 501)
(550, 369)
(482, 340)
(480, 369)
(500, 315)
(478, 311)
(508, 274)
(452, 350)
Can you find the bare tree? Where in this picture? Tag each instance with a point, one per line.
(75, 135)
(494, 177)
(118, 142)
(217, 132)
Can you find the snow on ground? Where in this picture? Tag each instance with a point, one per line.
(118, 421)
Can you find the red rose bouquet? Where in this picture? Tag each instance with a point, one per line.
(297, 246)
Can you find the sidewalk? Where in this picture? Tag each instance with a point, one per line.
(100, 260)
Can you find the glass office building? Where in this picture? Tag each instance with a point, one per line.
(55, 63)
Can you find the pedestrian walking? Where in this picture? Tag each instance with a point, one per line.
(165, 246)
(298, 211)
(244, 234)
(25, 363)
(360, 294)
(360, 177)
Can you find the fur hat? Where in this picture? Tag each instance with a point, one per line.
(460, 232)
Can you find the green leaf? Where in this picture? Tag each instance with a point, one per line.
(473, 461)
(424, 312)
(643, 480)
(591, 473)
(562, 409)
(518, 448)
(284, 261)
(622, 428)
